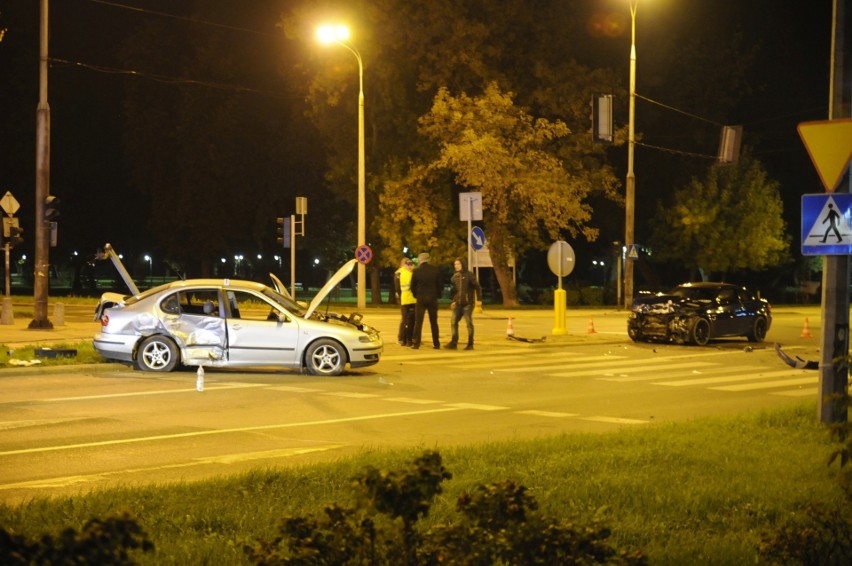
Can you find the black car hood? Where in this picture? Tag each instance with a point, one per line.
(668, 303)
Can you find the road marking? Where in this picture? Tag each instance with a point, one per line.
(351, 395)
(540, 365)
(477, 407)
(292, 389)
(614, 420)
(209, 386)
(199, 433)
(626, 377)
(552, 414)
(768, 384)
(730, 378)
(412, 400)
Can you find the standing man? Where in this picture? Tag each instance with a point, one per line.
(466, 291)
(426, 288)
(402, 285)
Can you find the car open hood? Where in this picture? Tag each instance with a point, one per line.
(335, 280)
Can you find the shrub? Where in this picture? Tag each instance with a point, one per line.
(499, 525)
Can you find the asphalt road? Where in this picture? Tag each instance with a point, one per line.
(65, 431)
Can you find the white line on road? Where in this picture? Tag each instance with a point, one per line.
(614, 420)
(768, 384)
(210, 386)
(199, 433)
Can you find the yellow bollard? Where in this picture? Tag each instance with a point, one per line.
(559, 300)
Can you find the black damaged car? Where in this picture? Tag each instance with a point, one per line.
(697, 312)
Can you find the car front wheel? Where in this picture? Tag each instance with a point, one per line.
(758, 330)
(157, 353)
(325, 357)
(700, 333)
(634, 334)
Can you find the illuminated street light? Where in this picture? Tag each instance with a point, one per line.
(339, 34)
(630, 188)
(150, 265)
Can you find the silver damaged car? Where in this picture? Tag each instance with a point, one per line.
(230, 323)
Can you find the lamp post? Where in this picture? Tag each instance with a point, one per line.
(630, 186)
(339, 34)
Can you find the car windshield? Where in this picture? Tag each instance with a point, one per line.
(288, 304)
(696, 293)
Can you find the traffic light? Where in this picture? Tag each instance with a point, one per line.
(51, 208)
(12, 231)
(282, 231)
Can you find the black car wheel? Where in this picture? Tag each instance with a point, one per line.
(157, 353)
(758, 330)
(325, 357)
(700, 333)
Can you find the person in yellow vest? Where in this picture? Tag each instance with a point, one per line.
(402, 286)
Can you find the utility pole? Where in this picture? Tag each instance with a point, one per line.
(833, 366)
(42, 188)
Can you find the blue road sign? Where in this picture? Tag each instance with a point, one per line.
(477, 238)
(827, 224)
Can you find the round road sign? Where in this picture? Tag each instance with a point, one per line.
(560, 258)
(363, 254)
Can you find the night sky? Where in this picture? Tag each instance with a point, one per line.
(90, 170)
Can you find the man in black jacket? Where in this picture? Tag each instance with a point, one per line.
(426, 287)
(466, 292)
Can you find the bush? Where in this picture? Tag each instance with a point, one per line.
(499, 525)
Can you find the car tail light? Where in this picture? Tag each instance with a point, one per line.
(104, 319)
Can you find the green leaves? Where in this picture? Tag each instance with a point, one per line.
(732, 220)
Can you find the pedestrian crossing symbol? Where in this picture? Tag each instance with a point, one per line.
(827, 224)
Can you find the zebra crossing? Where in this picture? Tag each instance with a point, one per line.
(711, 370)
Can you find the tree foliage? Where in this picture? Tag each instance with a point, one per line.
(731, 220)
(489, 145)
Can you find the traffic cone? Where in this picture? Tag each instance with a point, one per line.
(591, 329)
(806, 329)
(510, 330)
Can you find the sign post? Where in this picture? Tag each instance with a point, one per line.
(829, 144)
(10, 206)
(560, 259)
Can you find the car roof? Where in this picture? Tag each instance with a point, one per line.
(228, 283)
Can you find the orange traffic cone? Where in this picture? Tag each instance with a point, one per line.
(806, 329)
(591, 329)
(510, 330)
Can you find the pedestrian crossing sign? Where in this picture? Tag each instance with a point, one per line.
(827, 224)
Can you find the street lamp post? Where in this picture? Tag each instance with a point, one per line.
(630, 187)
(339, 35)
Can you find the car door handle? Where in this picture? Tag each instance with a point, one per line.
(236, 326)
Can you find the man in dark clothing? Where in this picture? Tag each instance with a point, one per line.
(466, 291)
(426, 287)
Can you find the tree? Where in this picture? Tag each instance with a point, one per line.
(411, 50)
(490, 145)
(732, 220)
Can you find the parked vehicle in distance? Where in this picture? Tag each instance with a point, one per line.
(231, 323)
(698, 312)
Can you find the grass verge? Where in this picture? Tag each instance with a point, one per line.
(86, 354)
(699, 492)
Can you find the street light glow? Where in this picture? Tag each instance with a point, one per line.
(332, 33)
(339, 34)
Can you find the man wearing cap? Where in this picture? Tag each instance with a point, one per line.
(426, 287)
